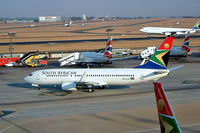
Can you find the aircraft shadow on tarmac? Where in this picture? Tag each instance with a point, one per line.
(117, 87)
(139, 119)
(130, 117)
(197, 54)
(45, 90)
(20, 85)
(58, 87)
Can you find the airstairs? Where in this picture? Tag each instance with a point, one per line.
(147, 53)
(69, 59)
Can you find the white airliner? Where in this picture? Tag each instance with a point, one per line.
(170, 31)
(69, 79)
(89, 58)
(68, 24)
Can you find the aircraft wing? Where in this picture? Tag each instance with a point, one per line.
(83, 81)
(93, 81)
(175, 68)
(73, 85)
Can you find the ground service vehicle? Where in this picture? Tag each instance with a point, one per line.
(31, 59)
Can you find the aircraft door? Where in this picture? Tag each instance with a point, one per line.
(38, 76)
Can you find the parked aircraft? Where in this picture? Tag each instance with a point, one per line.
(32, 25)
(68, 24)
(182, 51)
(71, 78)
(167, 119)
(89, 58)
(171, 31)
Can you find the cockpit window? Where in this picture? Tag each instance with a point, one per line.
(30, 74)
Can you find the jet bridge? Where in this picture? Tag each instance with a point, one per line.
(70, 59)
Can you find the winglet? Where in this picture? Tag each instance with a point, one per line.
(167, 119)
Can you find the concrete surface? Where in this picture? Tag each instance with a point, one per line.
(116, 109)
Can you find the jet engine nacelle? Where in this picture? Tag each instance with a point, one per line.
(69, 86)
(169, 34)
(175, 33)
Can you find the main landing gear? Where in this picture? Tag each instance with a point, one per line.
(38, 87)
(90, 88)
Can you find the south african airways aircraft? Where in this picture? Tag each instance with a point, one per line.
(69, 79)
(171, 31)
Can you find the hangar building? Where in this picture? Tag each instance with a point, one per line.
(49, 18)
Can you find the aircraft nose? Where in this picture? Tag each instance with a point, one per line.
(26, 79)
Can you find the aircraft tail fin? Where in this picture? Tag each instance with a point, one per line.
(197, 25)
(70, 22)
(108, 50)
(160, 58)
(167, 118)
(185, 44)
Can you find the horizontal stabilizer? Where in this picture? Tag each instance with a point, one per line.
(155, 73)
(175, 68)
(4, 113)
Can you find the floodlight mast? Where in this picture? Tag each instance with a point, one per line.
(11, 34)
(108, 31)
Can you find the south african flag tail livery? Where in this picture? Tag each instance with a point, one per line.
(167, 119)
(160, 58)
(197, 25)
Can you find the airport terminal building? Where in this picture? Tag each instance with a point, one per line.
(49, 18)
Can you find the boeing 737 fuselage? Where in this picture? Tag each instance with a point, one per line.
(70, 78)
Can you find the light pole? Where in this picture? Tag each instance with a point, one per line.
(108, 31)
(11, 34)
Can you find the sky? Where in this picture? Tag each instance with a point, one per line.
(122, 8)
